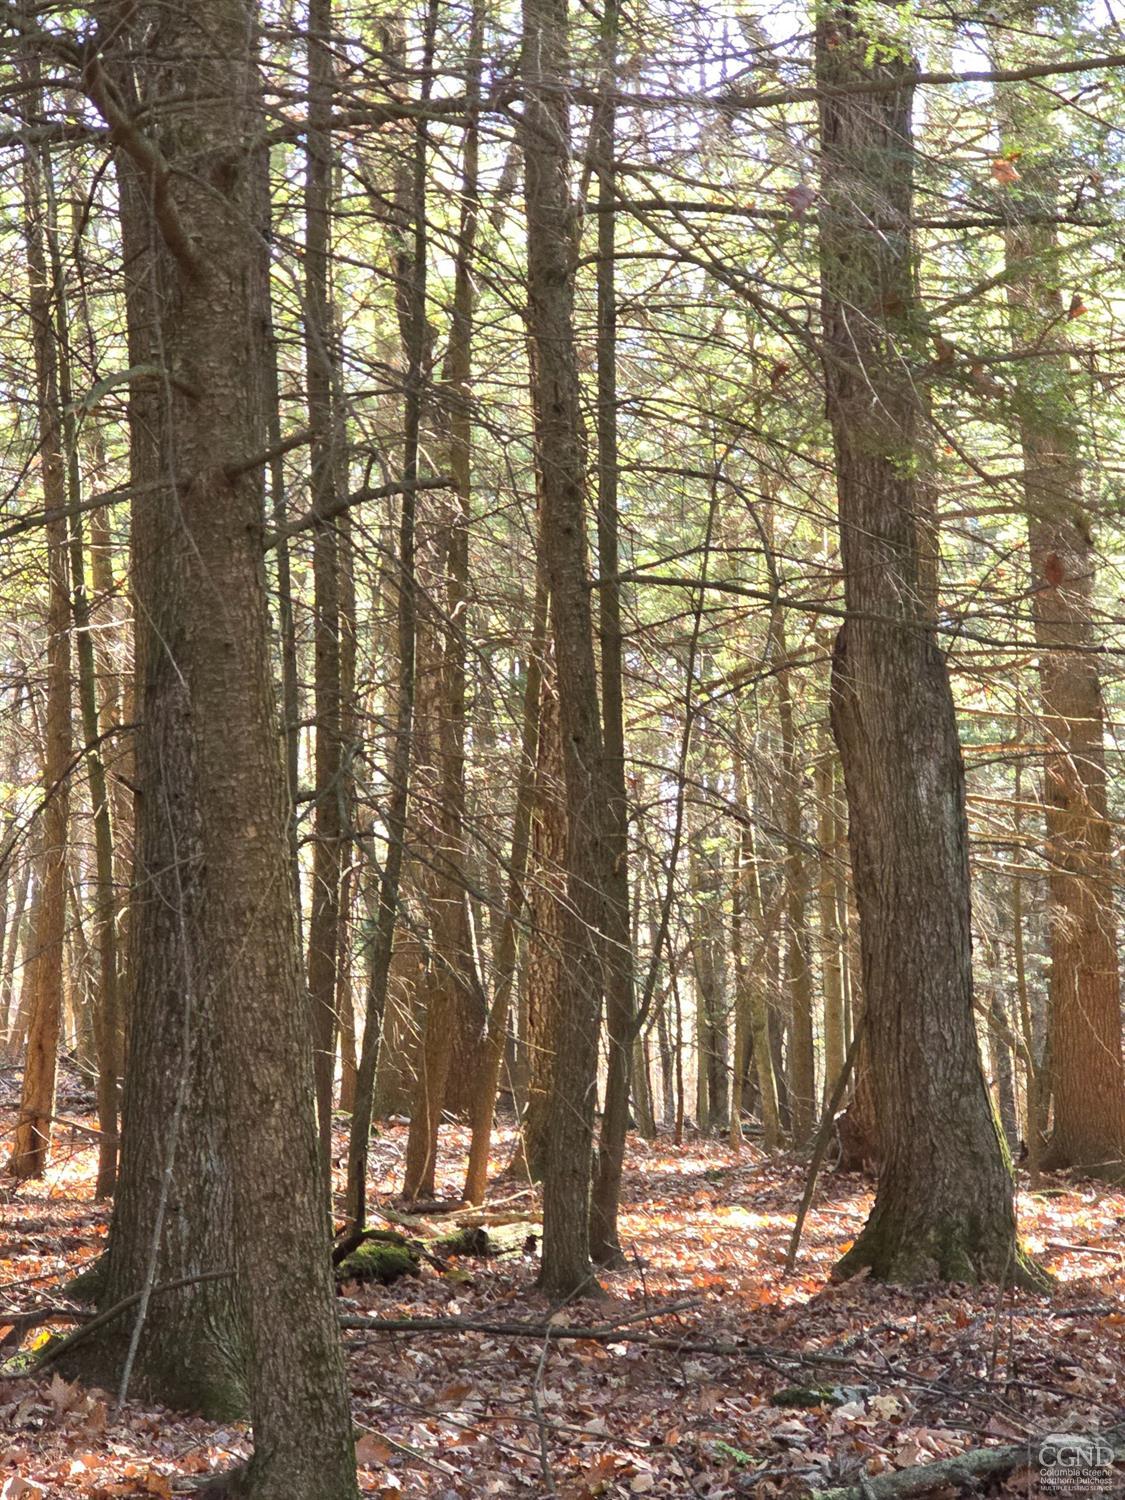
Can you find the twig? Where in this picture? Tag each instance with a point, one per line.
(357, 497)
(821, 1144)
(540, 1420)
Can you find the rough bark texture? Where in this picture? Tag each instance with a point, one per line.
(944, 1206)
(550, 279)
(229, 1015)
(32, 1143)
(1088, 1072)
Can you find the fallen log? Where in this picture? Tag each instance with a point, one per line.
(963, 1470)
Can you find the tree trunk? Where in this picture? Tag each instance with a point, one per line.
(221, 1074)
(32, 1143)
(411, 278)
(551, 253)
(507, 943)
(1085, 984)
(798, 967)
(944, 1206)
(327, 870)
(620, 985)
(545, 1035)
(451, 1058)
(835, 1044)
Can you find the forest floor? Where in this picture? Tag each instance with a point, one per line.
(828, 1381)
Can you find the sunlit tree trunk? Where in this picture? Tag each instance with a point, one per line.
(32, 1143)
(1087, 1068)
(213, 794)
(944, 1206)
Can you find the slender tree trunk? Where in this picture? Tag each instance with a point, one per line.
(831, 979)
(944, 1206)
(507, 943)
(798, 966)
(456, 1018)
(411, 272)
(32, 1143)
(620, 985)
(545, 1034)
(327, 870)
(16, 933)
(105, 1010)
(551, 249)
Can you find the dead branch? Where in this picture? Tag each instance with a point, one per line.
(976, 1464)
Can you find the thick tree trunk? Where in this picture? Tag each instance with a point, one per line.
(1085, 984)
(221, 1026)
(944, 1206)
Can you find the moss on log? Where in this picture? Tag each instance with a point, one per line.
(384, 1260)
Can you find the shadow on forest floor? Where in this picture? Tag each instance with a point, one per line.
(839, 1378)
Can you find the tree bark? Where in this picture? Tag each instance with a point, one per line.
(327, 870)
(1088, 1070)
(507, 943)
(32, 1143)
(220, 1016)
(551, 251)
(620, 983)
(944, 1206)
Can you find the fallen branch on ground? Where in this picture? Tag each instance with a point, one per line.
(976, 1464)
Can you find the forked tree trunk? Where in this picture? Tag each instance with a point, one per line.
(944, 1206)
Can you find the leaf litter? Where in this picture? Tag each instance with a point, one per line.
(818, 1384)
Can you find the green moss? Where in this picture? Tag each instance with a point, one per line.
(379, 1260)
(809, 1396)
